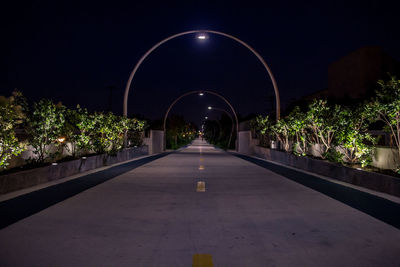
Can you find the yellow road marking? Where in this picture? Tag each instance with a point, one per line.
(201, 186)
(201, 167)
(201, 159)
(202, 260)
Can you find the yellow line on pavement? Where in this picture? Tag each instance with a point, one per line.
(202, 260)
(201, 186)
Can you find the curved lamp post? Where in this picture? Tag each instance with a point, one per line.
(200, 92)
(202, 36)
(230, 116)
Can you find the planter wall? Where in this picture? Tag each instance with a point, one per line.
(23, 179)
(371, 180)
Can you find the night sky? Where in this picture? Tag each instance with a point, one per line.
(74, 52)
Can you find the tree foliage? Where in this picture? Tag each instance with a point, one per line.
(45, 126)
(341, 133)
(283, 132)
(78, 130)
(387, 107)
(11, 115)
(135, 131)
(108, 132)
(298, 124)
(353, 140)
(322, 121)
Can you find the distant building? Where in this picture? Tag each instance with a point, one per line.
(356, 74)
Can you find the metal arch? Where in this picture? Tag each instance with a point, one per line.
(128, 85)
(197, 92)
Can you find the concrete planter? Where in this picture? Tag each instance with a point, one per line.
(371, 180)
(23, 179)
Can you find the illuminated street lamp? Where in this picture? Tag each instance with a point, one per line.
(209, 107)
(206, 117)
(202, 36)
(201, 94)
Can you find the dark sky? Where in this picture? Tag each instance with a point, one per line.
(73, 52)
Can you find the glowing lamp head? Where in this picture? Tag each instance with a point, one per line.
(61, 139)
(201, 36)
(206, 118)
(210, 107)
(201, 94)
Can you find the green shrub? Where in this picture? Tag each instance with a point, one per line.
(11, 115)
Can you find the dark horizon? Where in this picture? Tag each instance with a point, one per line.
(75, 53)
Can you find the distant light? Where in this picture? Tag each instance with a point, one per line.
(359, 169)
(61, 139)
(206, 118)
(54, 163)
(209, 107)
(201, 94)
(84, 158)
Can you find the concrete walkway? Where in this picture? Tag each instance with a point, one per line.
(153, 216)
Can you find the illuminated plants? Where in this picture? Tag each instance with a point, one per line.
(11, 115)
(322, 121)
(108, 132)
(263, 126)
(78, 131)
(135, 132)
(353, 139)
(50, 128)
(387, 107)
(44, 127)
(335, 133)
(283, 132)
(298, 125)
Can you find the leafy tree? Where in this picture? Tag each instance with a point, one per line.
(322, 121)
(283, 132)
(353, 138)
(263, 126)
(135, 131)
(109, 132)
(387, 107)
(45, 126)
(78, 130)
(298, 124)
(11, 115)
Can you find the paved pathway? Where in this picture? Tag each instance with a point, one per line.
(153, 216)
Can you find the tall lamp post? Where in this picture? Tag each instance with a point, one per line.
(201, 35)
(230, 116)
